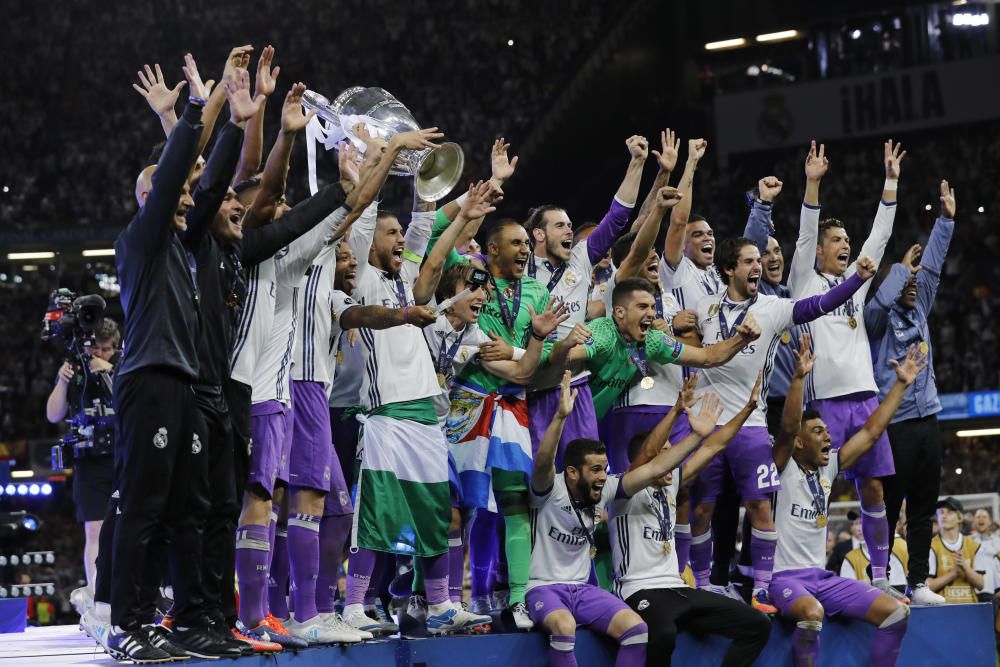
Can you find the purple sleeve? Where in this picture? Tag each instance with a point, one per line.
(807, 310)
(611, 227)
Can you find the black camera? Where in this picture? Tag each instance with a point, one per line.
(72, 320)
(479, 277)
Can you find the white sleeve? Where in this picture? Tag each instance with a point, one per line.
(418, 235)
(876, 242)
(931, 563)
(360, 239)
(801, 272)
(670, 307)
(518, 353)
(847, 570)
(782, 314)
(290, 265)
(672, 277)
(610, 490)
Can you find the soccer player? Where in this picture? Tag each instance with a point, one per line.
(748, 457)
(565, 270)
(564, 511)
(646, 567)
(808, 462)
(843, 388)
(897, 318)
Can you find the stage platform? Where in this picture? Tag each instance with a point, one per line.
(955, 635)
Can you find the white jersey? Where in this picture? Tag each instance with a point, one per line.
(255, 323)
(560, 547)
(640, 526)
(347, 364)
(843, 356)
(668, 378)
(320, 308)
(801, 542)
(397, 364)
(272, 372)
(688, 283)
(734, 381)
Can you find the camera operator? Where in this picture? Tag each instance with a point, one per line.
(76, 390)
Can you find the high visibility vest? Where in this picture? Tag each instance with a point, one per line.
(858, 560)
(959, 590)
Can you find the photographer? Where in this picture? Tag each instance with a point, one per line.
(75, 392)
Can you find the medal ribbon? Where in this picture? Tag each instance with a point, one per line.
(508, 313)
(556, 274)
(661, 508)
(659, 304)
(446, 357)
(816, 489)
(849, 306)
(638, 355)
(723, 325)
(400, 291)
(588, 532)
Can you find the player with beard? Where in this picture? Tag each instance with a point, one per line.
(564, 511)
(565, 271)
(748, 457)
(896, 318)
(806, 458)
(843, 388)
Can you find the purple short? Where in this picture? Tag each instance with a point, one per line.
(345, 442)
(627, 423)
(844, 416)
(591, 606)
(749, 460)
(267, 440)
(838, 595)
(309, 465)
(582, 422)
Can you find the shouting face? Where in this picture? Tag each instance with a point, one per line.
(699, 243)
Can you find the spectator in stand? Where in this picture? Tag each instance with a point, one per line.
(986, 532)
(955, 563)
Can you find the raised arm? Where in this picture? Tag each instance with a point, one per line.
(666, 158)
(253, 143)
(161, 98)
(874, 245)
(937, 249)
(720, 437)
(545, 458)
(239, 58)
(800, 271)
(791, 414)
(380, 317)
(720, 353)
(635, 262)
(759, 226)
(614, 221)
(263, 242)
(862, 441)
(572, 348)
(673, 247)
(520, 371)
(877, 309)
(659, 437)
(810, 308)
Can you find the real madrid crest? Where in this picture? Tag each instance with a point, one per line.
(713, 310)
(571, 278)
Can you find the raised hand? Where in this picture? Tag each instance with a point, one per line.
(238, 58)
(545, 322)
(893, 157)
(158, 95)
(420, 316)
(267, 78)
(567, 396)
(704, 422)
(638, 147)
(816, 162)
(685, 321)
(416, 139)
(292, 118)
(579, 335)
(241, 105)
(495, 349)
(373, 143)
(748, 329)
(503, 168)
(696, 149)
(477, 203)
(686, 397)
(670, 146)
(667, 197)
(914, 362)
(912, 257)
(660, 325)
(947, 201)
(195, 86)
(804, 358)
(348, 156)
(769, 187)
(866, 267)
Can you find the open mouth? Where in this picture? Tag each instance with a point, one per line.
(597, 488)
(826, 450)
(475, 308)
(567, 244)
(644, 325)
(773, 267)
(653, 266)
(350, 275)
(398, 253)
(753, 281)
(708, 248)
(235, 218)
(521, 262)
(843, 257)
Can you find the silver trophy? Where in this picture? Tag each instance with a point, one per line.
(437, 171)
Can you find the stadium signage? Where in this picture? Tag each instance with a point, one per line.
(971, 405)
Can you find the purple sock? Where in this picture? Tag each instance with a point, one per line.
(483, 544)
(333, 532)
(805, 643)
(701, 558)
(682, 540)
(277, 582)
(887, 642)
(875, 529)
(632, 647)
(303, 556)
(272, 529)
(436, 578)
(252, 551)
(456, 566)
(561, 651)
(360, 565)
(762, 546)
(378, 577)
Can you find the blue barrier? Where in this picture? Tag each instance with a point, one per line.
(13, 614)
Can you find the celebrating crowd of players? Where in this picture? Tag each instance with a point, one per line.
(303, 384)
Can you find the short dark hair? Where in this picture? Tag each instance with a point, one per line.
(697, 217)
(635, 445)
(578, 231)
(154, 155)
(453, 276)
(810, 413)
(496, 229)
(108, 331)
(624, 289)
(829, 223)
(728, 253)
(536, 217)
(384, 215)
(619, 251)
(247, 183)
(578, 450)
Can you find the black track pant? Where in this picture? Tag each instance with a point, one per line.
(163, 494)
(916, 451)
(668, 611)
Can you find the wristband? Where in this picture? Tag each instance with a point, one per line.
(891, 184)
(406, 314)
(193, 99)
(536, 336)
(461, 200)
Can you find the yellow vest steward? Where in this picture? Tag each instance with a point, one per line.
(959, 590)
(857, 559)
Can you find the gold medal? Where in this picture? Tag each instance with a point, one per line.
(786, 337)
(923, 347)
(593, 552)
(441, 380)
(666, 548)
(822, 520)
(340, 357)
(852, 322)
(647, 382)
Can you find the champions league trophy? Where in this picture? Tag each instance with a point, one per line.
(437, 171)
